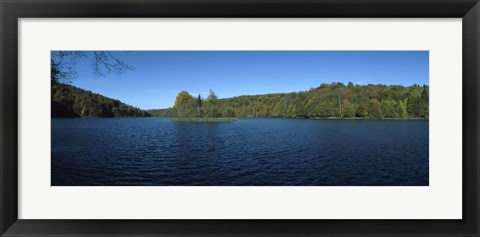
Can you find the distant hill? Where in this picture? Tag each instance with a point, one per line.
(160, 112)
(72, 102)
(334, 100)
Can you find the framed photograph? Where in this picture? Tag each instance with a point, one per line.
(251, 118)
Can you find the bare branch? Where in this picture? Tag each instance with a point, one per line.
(103, 63)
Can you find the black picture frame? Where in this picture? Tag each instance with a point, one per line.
(11, 11)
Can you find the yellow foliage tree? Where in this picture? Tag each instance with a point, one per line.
(183, 103)
(182, 98)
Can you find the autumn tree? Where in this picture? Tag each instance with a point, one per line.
(184, 104)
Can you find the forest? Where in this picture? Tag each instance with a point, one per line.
(334, 100)
(72, 102)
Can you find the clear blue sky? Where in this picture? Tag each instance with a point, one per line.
(160, 75)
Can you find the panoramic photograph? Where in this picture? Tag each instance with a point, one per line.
(239, 118)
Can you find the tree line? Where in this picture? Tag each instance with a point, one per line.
(72, 102)
(334, 100)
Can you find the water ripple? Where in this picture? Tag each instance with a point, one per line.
(157, 151)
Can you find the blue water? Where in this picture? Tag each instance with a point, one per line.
(158, 151)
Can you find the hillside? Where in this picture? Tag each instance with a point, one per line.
(159, 112)
(333, 100)
(72, 102)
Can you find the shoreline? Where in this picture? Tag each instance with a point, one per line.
(237, 118)
(204, 120)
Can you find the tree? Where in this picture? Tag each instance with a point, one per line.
(211, 104)
(326, 101)
(63, 64)
(199, 101)
(310, 108)
(72, 102)
(349, 108)
(361, 111)
(183, 104)
(199, 106)
(212, 97)
(182, 98)
(61, 71)
(402, 109)
(389, 108)
(375, 108)
(339, 96)
(424, 104)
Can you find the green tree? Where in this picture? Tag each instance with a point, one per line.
(402, 109)
(349, 108)
(212, 97)
(339, 93)
(211, 104)
(71, 102)
(424, 102)
(375, 108)
(325, 101)
(199, 101)
(388, 108)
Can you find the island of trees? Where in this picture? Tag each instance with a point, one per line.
(334, 100)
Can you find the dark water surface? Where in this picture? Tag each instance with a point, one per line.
(158, 151)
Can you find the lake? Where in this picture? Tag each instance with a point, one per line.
(272, 152)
